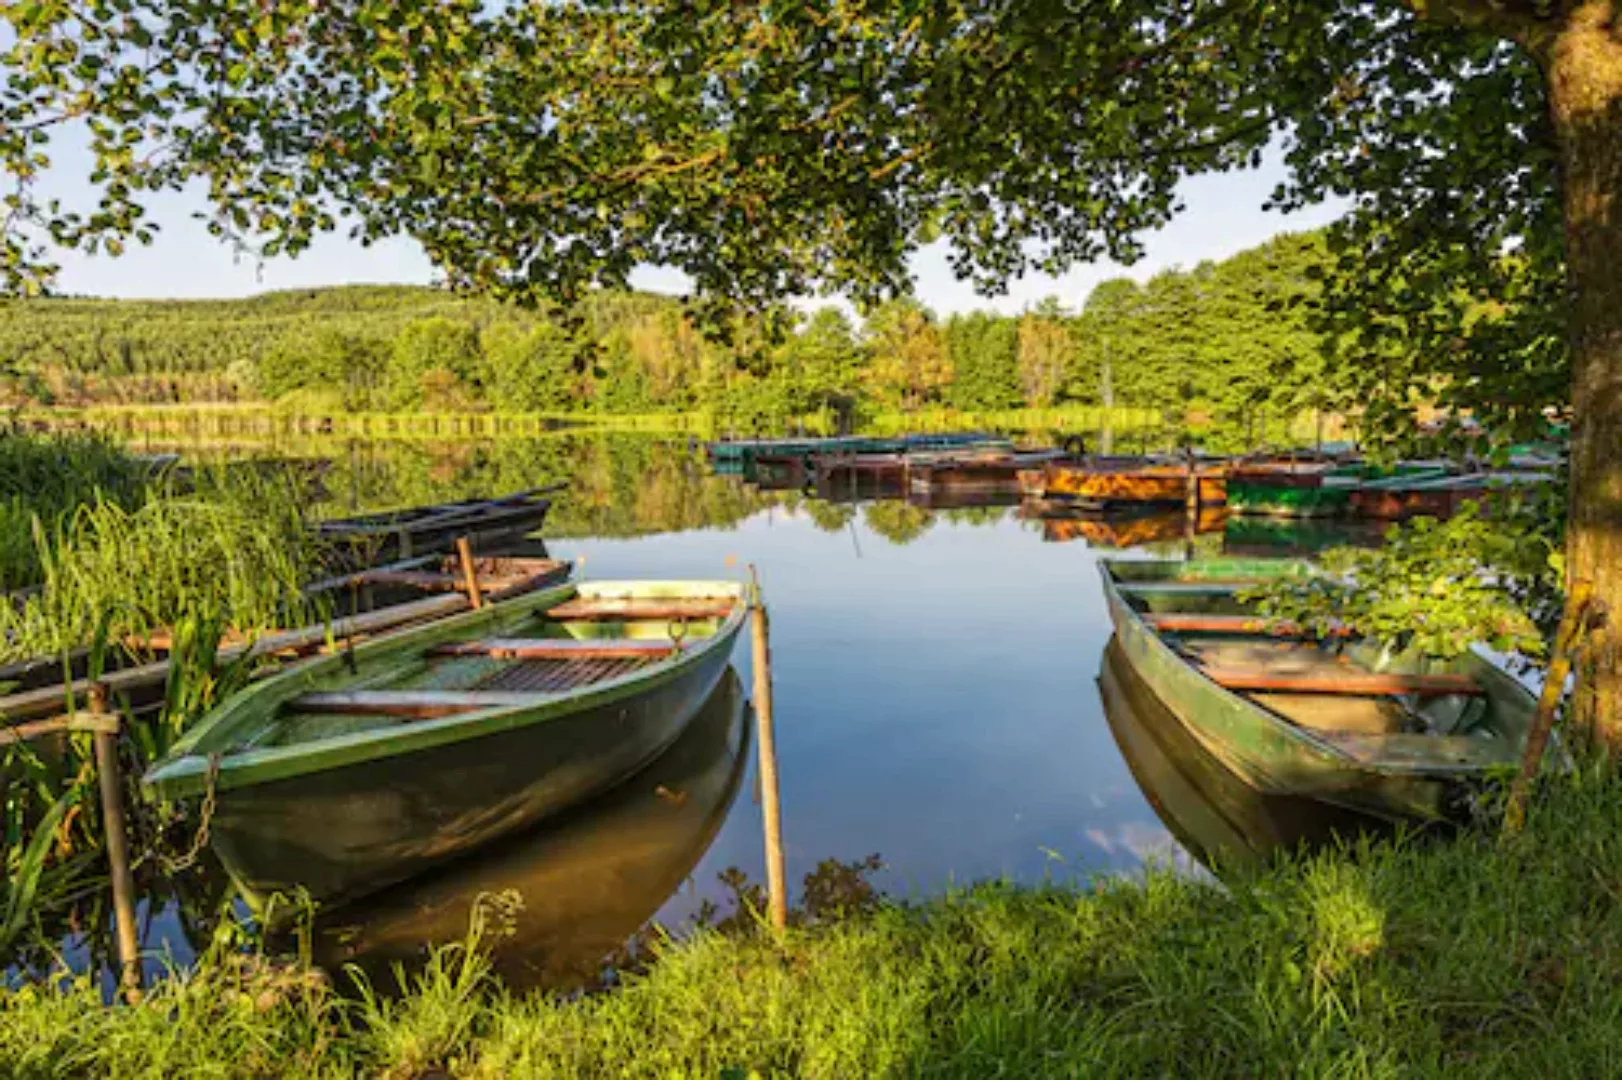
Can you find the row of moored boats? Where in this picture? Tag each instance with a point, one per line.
(1301, 483)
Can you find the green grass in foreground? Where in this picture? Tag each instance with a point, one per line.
(1417, 958)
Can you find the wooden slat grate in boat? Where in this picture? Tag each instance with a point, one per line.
(553, 676)
(559, 648)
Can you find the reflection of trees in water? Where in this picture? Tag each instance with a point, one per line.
(828, 516)
(618, 484)
(979, 516)
(898, 522)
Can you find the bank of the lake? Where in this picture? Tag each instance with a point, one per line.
(1421, 956)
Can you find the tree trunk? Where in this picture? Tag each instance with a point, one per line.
(1583, 62)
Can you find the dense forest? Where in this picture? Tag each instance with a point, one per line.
(1226, 339)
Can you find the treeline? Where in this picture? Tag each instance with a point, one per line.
(1225, 338)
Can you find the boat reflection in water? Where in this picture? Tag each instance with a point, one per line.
(558, 900)
(1214, 814)
(1125, 529)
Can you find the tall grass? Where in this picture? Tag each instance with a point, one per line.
(1416, 957)
(46, 476)
(236, 542)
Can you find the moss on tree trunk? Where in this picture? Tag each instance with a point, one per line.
(1583, 61)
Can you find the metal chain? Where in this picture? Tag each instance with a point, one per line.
(199, 841)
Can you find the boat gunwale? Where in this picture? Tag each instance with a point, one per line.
(185, 770)
(1117, 601)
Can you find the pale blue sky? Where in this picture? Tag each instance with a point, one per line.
(1223, 215)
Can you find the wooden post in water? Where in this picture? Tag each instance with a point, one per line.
(1574, 625)
(470, 573)
(776, 880)
(118, 852)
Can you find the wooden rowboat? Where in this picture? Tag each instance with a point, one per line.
(400, 534)
(1292, 488)
(1215, 816)
(1112, 481)
(1394, 735)
(995, 470)
(1401, 497)
(361, 769)
(587, 880)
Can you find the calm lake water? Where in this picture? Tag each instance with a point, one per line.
(938, 704)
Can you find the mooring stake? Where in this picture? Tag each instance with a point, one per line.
(776, 880)
(108, 779)
(470, 573)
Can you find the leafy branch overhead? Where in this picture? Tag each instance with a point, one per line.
(769, 151)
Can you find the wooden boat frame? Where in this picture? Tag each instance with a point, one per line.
(1272, 754)
(188, 770)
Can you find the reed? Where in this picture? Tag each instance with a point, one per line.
(46, 476)
(234, 542)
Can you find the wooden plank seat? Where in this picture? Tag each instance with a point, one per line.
(560, 648)
(586, 609)
(1188, 623)
(412, 704)
(1184, 588)
(1350, 683)
(431, 581)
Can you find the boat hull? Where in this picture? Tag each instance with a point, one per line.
(1151, 485)
(1270, 498)
(343, 832)
(587, 880)
(1396, 504)
(1272, 756)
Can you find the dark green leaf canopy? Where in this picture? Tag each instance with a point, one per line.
(781, 149)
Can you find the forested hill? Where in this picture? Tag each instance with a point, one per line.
(1220, 337)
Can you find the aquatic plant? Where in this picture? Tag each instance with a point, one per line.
(46, 476)
(27, 856)
(234, 542)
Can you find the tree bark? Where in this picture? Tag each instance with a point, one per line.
(1583, 62)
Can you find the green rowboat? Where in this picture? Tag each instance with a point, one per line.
(586, 880)
(1396, 735)
(1215, 816)
(1315, 489)
(360, 769)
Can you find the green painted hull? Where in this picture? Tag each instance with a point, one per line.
(1279, 500)
(344, 815)
(586, 880)
(1214, 815)
(1327, 494)
(1275, 756)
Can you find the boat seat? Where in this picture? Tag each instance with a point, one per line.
(1463, 752)
(560, 648)
(1182, 588)
(1187, 623)
(1351, 683)
(413, 704)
